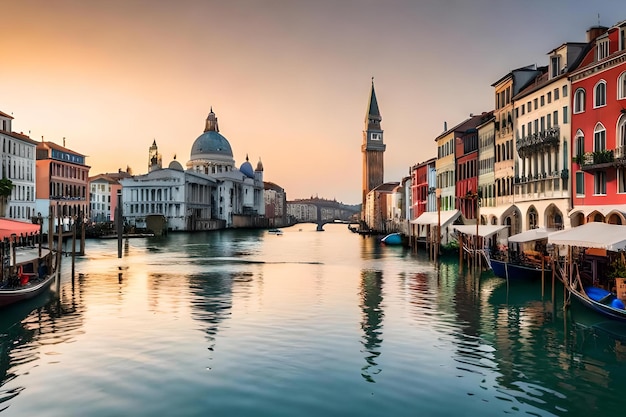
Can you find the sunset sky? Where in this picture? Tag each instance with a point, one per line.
(288, 80)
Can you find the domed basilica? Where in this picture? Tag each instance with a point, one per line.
(210, 194)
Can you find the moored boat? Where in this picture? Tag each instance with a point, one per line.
(27, 270)
(392, 239)
(524, 256)
(592, 244)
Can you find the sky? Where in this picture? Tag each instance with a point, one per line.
(288, 80)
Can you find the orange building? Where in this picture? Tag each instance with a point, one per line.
(62, 178)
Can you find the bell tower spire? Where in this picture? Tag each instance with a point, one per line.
(373, 148)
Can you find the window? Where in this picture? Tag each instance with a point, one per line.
(565, 113)
(579, 143)
(549, 120)
(549, 97)
(529, 106)
(523, 111)
(621, 86)
(543, 100)
(554, 66)
(564, 94)
(620, 152)
(579, 101)
(599, 94)
(621, 180)
(555, 117)
(622, 39)
(536, 103)
(556, 93)
(599, 138)
(602, 50)
(599, 183)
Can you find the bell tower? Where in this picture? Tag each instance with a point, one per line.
(373, 149)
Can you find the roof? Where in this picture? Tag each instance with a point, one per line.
(531, 235)
(8, 227)
(484, 230)
(3, 114)
(20, 136)
(607, 236)
(467, 124)
(53, 145)
(372, 107)
(386, 187)
(432, 217)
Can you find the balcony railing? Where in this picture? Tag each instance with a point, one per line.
(595, 160)
(538, 141)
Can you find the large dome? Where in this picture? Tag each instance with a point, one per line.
(211, 143)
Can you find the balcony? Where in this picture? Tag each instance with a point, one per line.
(590, 161)
(538, 142)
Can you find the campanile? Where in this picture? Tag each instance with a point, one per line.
(373, 148)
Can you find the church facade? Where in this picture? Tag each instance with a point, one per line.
(211, 193)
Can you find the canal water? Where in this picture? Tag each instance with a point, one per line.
(246, 323)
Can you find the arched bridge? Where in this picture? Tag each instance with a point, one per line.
(321, 212)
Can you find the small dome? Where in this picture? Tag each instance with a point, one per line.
(246, 169)
(176, 165)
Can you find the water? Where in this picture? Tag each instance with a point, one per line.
(244, 323)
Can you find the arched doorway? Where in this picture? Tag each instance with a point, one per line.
(554, 217)
(512, 217)
(532, 217)
(577, 219)
(614, 218)
(596, 216)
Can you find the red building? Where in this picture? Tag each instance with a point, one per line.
(466, 151)
(420, 188)
(599, 129)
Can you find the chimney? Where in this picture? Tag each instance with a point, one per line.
(595, 31)
(445, 126)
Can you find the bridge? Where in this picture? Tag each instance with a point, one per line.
(321, 212)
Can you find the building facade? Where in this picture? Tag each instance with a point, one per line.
(18, 166)
(599, 129)
(62, 180)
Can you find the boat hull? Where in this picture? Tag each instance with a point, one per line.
(508, 270)
(604, 309)
(392, 239)
(10, 296)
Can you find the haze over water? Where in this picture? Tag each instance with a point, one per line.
(245, 323)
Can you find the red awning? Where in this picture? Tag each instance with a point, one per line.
(8, 227)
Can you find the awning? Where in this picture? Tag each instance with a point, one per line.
(484, 230)
(8, 227)
(531, 235)
(431, 217)
(592, 235)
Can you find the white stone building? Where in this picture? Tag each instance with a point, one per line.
(18, 165)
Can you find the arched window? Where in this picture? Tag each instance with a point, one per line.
(579, 101)
(620, 152)
(621, 86)
(579, 142)
(599, 94)
(599, 138)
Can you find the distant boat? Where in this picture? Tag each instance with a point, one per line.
(392, 239)
(275, 232)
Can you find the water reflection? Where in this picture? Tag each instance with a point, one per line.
(211, 301)
(371, 321)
